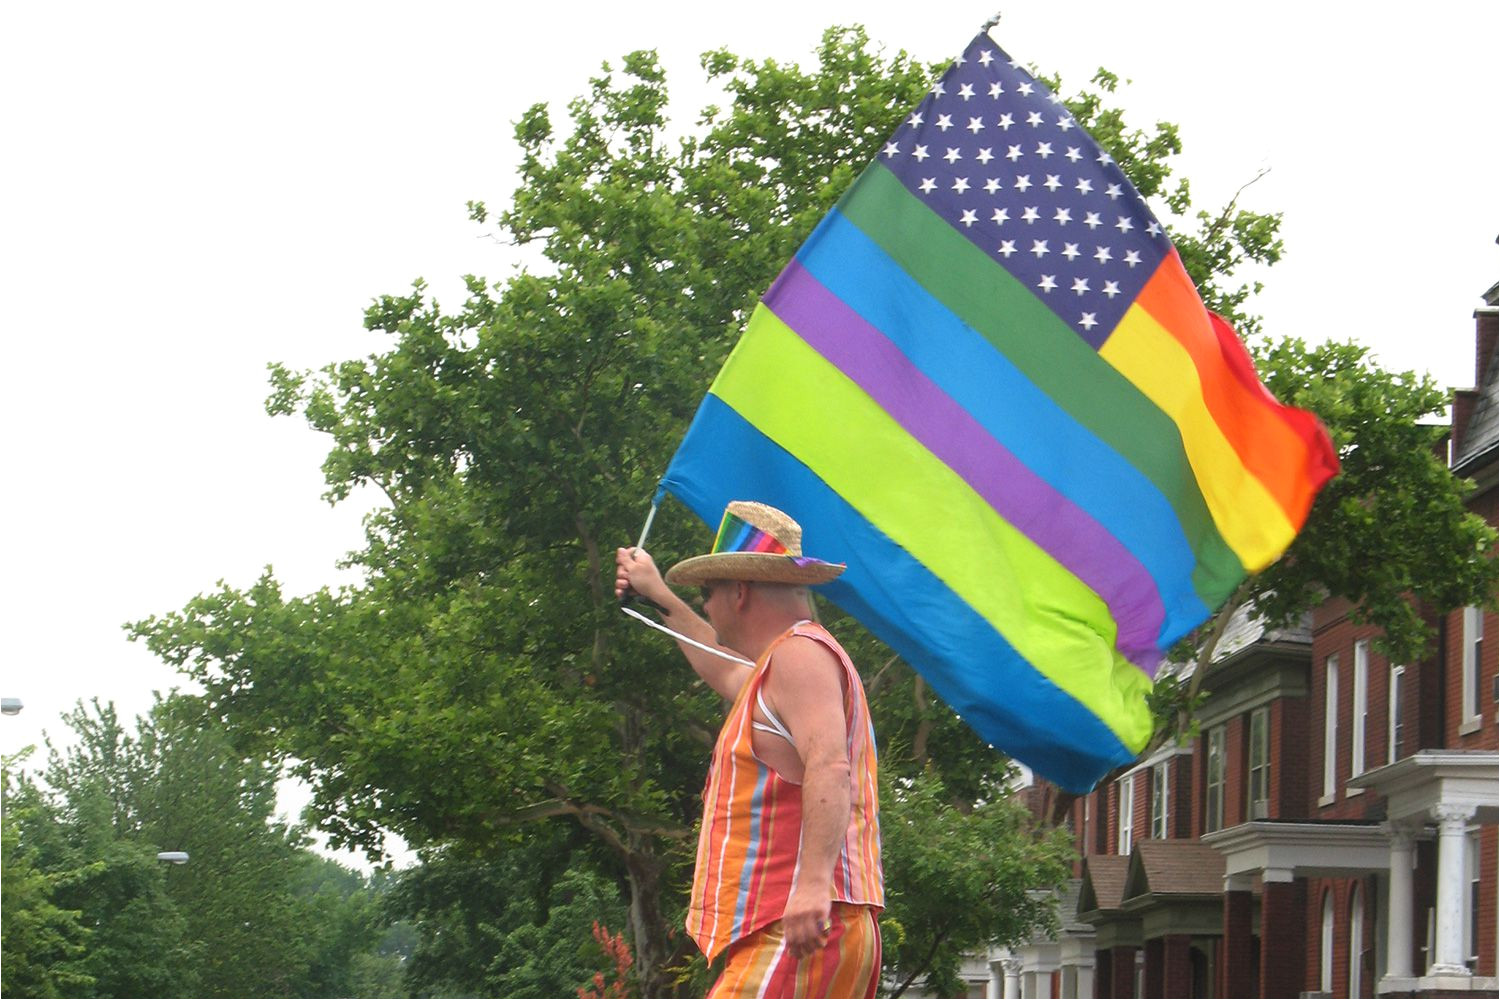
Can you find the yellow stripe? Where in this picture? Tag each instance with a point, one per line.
(1247, 515)
(1053, 619)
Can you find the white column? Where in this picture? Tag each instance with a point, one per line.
(1012, 978)
(1448, 959)
(1398, 940)
(995, 989)
(1085, 989)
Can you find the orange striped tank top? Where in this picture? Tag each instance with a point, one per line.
(750, 842)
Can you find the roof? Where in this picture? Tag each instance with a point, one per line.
(1483, 430)
(1244, 630)
(1174, 867)
(1103, 882)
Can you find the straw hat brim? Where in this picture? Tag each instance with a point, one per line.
(758, 567)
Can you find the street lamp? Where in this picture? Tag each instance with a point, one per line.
(173, 857)
(10, 706)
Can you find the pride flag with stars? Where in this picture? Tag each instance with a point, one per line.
(987, 384)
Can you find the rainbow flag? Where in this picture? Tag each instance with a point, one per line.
(987, 384)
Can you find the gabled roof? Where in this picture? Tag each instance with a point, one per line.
(1482, 433)
(1173, 867)
(1103, 882)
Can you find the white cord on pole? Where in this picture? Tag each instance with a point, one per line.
(682, 638)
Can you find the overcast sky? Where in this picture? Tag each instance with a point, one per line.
(194, 190)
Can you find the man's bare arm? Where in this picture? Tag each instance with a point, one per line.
(805, 688)
(636, 570)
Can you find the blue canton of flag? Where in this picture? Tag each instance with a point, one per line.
(999, 156)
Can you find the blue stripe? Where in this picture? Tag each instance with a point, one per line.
(1023, 418)
(752, 849)
(971, 666)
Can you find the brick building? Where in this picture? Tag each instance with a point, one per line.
(1331, 831)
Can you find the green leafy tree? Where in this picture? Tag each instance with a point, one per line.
(253, 913)
(479, 684)
(41, 943)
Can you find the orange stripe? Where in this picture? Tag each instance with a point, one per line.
(1269, 438)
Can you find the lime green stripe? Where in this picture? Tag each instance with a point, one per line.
(1060, 363)
(796, 398)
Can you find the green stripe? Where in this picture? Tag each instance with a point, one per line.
(805, 405)
(991, 301)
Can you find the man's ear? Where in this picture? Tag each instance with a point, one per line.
(742, 591)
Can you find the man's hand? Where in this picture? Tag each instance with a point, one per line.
(807, 920)
(635, 570)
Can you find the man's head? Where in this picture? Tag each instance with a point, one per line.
(755, 579)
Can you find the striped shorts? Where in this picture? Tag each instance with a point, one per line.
(760, 966)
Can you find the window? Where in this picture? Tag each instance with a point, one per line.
(1398, 692)
(1213, 799)
(1471, 907)
(1356, 942)
(1473, 640)
(1361, 685)
(1258, 788)
(1159, 800)
(1330, 727)
(1325, 952)
(1127, 814)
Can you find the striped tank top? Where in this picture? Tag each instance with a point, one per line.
(749, 845)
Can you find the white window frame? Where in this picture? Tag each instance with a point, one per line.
(1325, 951)
(1471, 898)
(1473, 641)
(1330, 729)
(1396, 725)
(1356, 940)
(1359, 719)
(1126, 813)
(1259, 717)
(1161, 801)
(1213, 786)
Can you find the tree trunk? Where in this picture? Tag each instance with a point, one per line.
(648, 929)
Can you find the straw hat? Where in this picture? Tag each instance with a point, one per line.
(759, 543)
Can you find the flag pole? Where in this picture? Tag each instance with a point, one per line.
(646, 528)
(991, 22)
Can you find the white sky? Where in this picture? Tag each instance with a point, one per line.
(193, 190)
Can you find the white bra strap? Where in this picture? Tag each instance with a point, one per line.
(776, 727)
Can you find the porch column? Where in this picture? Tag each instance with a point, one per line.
(1177, 959)
(1283, 939)
(1122, 971)
(1448, 957)
(1155, 984)
(995, 988)
(1103, 973)
(1237, 970)
(1012, 978)
(1398, 940)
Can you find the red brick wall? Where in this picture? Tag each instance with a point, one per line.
(1290, 766)
(1336, 635)
(1235, 731)
(1453, 688)
(1343, 894)
(1489, 880)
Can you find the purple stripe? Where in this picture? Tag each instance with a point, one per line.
(946, 429)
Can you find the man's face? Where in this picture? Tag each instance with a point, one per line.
(716, 598)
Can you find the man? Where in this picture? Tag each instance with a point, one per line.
(788, 876)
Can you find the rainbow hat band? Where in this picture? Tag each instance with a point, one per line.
(759, 543)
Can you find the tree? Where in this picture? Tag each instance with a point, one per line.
(253, 913)
(41, 942)
(479, 684)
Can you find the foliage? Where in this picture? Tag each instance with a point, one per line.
(42, 943)
(252, 914)
(514, 924)
(1392, 532)
(960, 880)
(479, 689)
